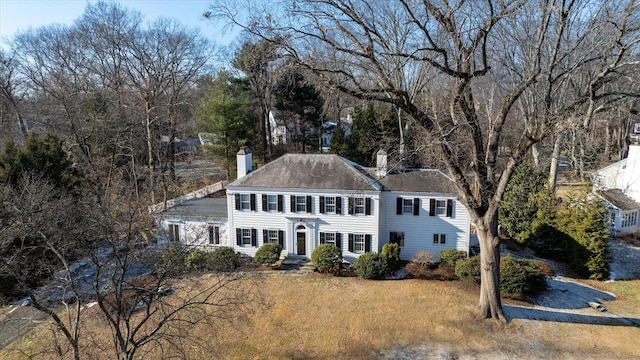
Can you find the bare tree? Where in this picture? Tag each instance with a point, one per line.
(457, 44)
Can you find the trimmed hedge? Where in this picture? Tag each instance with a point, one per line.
(452, 256)
(268, 253)
(327, 258)
(518, 277)
(370, 266)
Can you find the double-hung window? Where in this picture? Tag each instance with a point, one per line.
(245, 202)
(333, 238)
(272, 202)
(174, 233)
(301, 204)
(441, 207)
(246, 237)
(360, 206)
(439, 238)
(406, 205)
(360, 243)
(214, 234)
(329, 205)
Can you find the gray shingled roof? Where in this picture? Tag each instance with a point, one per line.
(309, 171)
(618, 199)
(200, 207)
(418, 180)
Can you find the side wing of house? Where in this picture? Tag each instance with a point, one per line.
(302, 219)
(429, 222)
(197, 232)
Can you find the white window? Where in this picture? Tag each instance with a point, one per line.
(359, 205)
(330, 205)
(629, 219)
(301, 204)
(441, 207)
(245, 237)
(272, 236)
(358, 243)
(272, 202)
(407, 206)
(328, 238)
(174, 233)
(214, 235)
(439, 238)
(245, 202)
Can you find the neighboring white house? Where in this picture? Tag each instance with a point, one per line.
(619, 186)
(304, 200)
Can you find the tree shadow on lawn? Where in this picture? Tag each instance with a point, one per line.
(569, 297)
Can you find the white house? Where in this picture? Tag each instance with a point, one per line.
(619, 186)
(304, 200)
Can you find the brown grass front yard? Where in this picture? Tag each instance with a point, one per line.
(324, 317)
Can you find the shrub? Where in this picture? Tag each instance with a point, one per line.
(469, 269)
(326, 258)
(370, 266)
(426, 258)
(197, 259)
(392, 253)
(172, 260)
(452, 256)
(268, 253)
(224, 258)
(518, 277)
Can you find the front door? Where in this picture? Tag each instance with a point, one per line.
(301, 243)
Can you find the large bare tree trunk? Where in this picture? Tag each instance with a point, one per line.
(489, 304)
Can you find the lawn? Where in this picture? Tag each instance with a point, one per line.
(324, 317)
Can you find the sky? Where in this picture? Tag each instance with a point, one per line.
(18, 15)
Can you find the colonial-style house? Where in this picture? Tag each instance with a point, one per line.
(304, 200)
(619, 186)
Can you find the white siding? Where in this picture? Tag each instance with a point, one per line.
(419, 229)
(314, 222)
(193, 232)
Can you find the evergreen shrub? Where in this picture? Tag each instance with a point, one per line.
(452, 256)
(268, 254)
(391, 252)
(327, 258)
(224, 259)
(370, 266)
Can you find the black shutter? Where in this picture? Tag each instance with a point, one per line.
(265, 236)
(280, 203)
(435, 238)
(321, 238)
(237, 196)
(449, 207)
(338, 205)
(254, 237)
(432, 207)
(399, 206)
(367, 206)
(416, 206)
(321, 204)
(351, 242)
(293, 203)
(309, 204)
(367, 243)
(339, 241)
(239, 237)
(281, 238)
(264, 202)
(350, 206)
(253, 202)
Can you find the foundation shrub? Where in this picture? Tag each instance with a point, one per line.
(392, 253)
(452, 256)
(224, 259)
(327, 258)
(370, 266)
(268, 253)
